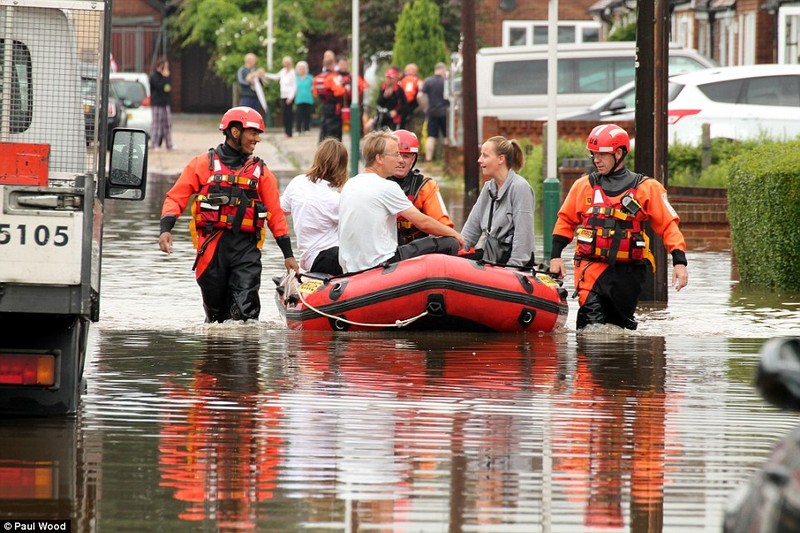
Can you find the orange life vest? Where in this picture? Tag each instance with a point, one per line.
(410, 85)
(612, 231)
(229, 200)
(318, 86)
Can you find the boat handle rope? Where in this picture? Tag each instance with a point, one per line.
(397, 323)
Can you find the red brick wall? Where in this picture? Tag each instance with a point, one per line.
(489, 20)
(535, 129)
(135, 8)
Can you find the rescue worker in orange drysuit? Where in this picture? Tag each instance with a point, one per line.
(605, 211)
(235, 197)
(421, 190)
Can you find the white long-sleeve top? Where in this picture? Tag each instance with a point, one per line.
(288, 82)
(314, 208)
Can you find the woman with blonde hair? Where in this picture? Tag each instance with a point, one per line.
(500, 225)
(312, 200)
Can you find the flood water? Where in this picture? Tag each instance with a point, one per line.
(250, 427)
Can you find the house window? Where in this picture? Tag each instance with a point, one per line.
(788, 35)
(529, 32)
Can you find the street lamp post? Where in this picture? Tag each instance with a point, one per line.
(355, 111)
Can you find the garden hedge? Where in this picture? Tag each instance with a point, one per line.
(764, 215)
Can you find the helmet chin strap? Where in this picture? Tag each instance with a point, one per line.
(237, 143)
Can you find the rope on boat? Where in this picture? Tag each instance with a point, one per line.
(397, 323)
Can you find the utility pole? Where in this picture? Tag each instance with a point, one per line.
(469, 114)
(652, 71)
(552, 187)
(355, 109)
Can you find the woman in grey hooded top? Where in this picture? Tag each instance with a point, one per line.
(500, 225)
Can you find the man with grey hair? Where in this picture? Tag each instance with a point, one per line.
(247, 76)
(368, 209)
(432, 100)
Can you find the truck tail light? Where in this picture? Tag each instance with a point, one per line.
(112, 110)
(674, 115)
(34, 369)
(146, 101)
(31, 480)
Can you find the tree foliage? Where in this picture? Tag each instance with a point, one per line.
(419, 36)
(231, 28)
(231, 32)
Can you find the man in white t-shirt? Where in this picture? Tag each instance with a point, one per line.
(368, 209)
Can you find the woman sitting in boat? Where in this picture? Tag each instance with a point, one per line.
(500, 225)
(312, 200)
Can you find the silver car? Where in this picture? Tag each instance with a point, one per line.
(133, 88)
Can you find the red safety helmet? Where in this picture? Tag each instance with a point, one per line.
(393, 72)
(407, 142)
(606, 138)
(246, 116)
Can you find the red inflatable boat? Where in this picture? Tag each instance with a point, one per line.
(431, 292)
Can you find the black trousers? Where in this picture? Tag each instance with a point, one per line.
(303, 115)
(327, 262)
(614, 297)
(331, 124)
(288, 116)
(231, 282)
(426, 245)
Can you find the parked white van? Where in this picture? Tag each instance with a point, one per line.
(512, 81)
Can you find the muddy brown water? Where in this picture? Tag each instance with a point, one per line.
(251, 427)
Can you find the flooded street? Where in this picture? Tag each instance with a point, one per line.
(251, 427)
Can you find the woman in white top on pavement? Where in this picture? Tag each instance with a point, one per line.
(288, 85)
(312, 200)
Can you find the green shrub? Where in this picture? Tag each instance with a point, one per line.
(684, 162)
(764, 215)
(533, 168)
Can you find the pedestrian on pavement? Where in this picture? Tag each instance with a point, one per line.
(160, 105)
(288, 88)
(606, 210)
(312, 200)
(247, 76)
(337, 91)
(421, 190)
(391, 102)
(433, 101)
(500, 224)
(411, 84)
(327, 109)
(304, 101)
(236, 195)
(368, 209)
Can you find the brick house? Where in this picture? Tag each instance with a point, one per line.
(139, 38)
(731, 32)
(520, 22)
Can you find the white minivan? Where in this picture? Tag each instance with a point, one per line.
(512, 81)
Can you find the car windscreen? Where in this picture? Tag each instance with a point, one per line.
(129, 90)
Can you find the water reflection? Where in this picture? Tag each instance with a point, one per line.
(615, 449)
(240, 427)
(43, 471)
(190, 427)
(215, 451)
